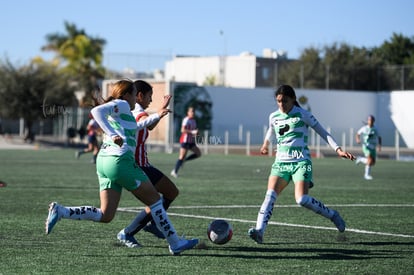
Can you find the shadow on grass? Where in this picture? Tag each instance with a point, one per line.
(385, 243)
(301, 253)
(268, 251)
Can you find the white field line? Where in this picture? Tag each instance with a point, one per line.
(136, 209)
(287, 206)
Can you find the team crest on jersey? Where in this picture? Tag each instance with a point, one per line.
(282, 130)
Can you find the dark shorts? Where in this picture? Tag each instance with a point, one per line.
(188, 146)
(153, 173)
(92, 139)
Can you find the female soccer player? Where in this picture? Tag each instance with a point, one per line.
(187, 141)
(369, 136)
(116, 169)
(161, 182)
(289, 125)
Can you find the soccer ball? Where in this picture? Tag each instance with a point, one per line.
(219, 231)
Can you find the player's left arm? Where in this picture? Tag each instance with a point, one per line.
(331, 141)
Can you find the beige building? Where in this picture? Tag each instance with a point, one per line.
(243, 71)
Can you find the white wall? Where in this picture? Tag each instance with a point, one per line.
(239, 71)
(341, 111)
(192, 69)
(402, 114)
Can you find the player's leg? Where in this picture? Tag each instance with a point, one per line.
(109, 203)
(276, 184)
(370, 155)
(302, 175)
(88, 149)
(367, 160)
(110, 194)
(147, 194)
(169, 191)
(363, 159)
(196, 153)
(180, 161)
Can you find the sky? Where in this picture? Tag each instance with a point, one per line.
(142, 35)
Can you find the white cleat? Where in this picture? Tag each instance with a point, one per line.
(53, 216)
(182, 245)
(174, 174)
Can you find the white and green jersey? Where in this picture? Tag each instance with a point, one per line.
(291, 133)
(369, 136)
(115, 119)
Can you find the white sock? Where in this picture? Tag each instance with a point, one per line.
(367, 170)
(266, 210)
(364, 160)
(81, 213)
(163, 223)
(315, 205)
(136, 222)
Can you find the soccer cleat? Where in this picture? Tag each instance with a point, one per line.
(77, 154)
(174, 174)
(368, 177)
(128, 240)
(338, 221)
(183, 244)
(255, 235)
(153, 229)
(53, 217)
(358, 161)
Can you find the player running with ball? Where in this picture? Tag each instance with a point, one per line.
(116, 169)
(289, 125)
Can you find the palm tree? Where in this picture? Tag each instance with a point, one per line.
(80, 55)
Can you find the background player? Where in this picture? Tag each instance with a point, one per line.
(187, 141)
(92, 132)
(369, 137)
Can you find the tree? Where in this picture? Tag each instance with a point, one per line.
(81, 56)
(313, 68)
(399, 50)
(398, 56)
(33, 92)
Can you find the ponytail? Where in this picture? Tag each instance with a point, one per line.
(297, 104)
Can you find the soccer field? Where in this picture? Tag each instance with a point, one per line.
(379, 214)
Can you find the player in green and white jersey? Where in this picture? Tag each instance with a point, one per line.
(370, 139)
(289, 127)
(116, 169)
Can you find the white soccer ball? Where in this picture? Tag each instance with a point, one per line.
(219, 231)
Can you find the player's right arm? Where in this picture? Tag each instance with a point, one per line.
(269, 137)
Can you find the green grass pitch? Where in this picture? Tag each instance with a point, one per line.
(379, 215)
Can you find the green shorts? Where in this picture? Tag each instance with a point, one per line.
(369, 152)
(115, 172)
(295, 171)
